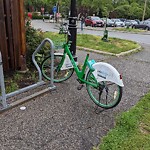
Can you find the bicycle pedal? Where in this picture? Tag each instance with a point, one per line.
(80, 87)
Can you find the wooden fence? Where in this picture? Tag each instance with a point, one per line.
(12, 34)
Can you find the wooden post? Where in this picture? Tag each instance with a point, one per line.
(3, 38)
(10, 44)
(23, 38)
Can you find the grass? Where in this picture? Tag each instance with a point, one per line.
(130, 30)
(132, 130)
(17, 80)
(114, 45)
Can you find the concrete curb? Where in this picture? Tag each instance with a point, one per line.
(95, 51)
(130, 51)
(108, 53)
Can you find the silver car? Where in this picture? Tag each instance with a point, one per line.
(130, 22)
(118, 23)
(145, 25)
(109, 23)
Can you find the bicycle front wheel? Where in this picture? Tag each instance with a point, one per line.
(106, 95)
(59, 75)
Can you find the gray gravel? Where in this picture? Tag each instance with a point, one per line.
(66, 119)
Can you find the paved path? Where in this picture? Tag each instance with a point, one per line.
(65, 119)
(143, 37)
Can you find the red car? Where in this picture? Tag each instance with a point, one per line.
(94, 21)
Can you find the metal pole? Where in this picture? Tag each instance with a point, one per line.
(2, 84)
(73, 28)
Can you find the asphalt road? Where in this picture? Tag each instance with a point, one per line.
(66, 119)
(140, 38)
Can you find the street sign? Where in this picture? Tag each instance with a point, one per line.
(54, 9)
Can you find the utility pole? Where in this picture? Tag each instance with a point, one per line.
(73, 28)
(145, 4)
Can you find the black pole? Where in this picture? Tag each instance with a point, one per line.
(73, 28)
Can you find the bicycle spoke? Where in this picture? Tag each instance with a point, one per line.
(106, 95)
(59, 75)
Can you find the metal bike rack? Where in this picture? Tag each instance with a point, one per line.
(52, 60)
(2, 84)
(40, 82)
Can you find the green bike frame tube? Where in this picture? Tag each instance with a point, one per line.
(62, 61)
(79, 73)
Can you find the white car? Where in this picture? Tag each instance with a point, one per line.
(118, 23)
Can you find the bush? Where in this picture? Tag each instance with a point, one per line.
(39, 17)
(33, 39)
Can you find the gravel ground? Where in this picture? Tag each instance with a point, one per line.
(66, 119)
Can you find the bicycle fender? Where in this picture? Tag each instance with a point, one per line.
(106, 72)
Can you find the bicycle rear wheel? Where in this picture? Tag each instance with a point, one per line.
(59, 75)
(107, 95)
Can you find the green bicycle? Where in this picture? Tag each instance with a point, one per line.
(103, 82)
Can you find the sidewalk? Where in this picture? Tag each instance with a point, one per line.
(65, 119)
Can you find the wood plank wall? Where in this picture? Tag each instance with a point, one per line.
(3, 38)
(12, 34)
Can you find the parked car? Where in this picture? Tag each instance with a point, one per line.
(109, 23)
(122, 19)
(118, 23)
(145, 25)
(94, 21)
(130, 22)
(137, 20)
(147, 19)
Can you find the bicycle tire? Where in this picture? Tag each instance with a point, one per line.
(59, 75)
(107, 95)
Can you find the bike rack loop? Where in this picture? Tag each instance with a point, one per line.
(52, 59)
(2, 84)
(40, 82)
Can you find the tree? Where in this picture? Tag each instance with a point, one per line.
(123, 8)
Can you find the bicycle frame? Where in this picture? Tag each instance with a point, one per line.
(80, 73)
(103, 82)
(101, 71)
